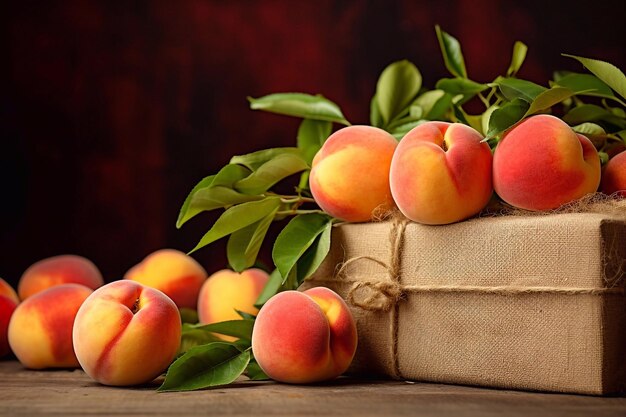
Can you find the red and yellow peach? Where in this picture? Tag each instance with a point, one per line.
(8, 291)
(350, 174)
(304, 337)
(614, 176)
(225, 292)
(62, 269)
(40, 330)
(542, 164)
(175, 273)
(8, 302)
(441, 173)
(126, 333)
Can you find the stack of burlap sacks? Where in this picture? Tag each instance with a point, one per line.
(532, 302)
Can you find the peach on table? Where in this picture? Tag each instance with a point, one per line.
(56, 270)
(304, 337)
(126, 333)
(40, 330)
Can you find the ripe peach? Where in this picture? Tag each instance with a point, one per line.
(304, 337)
(541, 164)
(62, 269)
(8, 291)
(614, 176)
(350, 174)
(227, 291)
(7, 307)
(441, 173)
(8, 302)
(126, 333)
(40, 331)
(175, 273)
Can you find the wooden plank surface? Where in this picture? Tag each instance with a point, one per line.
(71, 393)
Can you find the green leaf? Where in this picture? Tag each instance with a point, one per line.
(585, 84)
(428, 100)
(400, 131)
(311, 136)
(485, 119)
(517, 58)
(604, 158)
(314, 255)
(238, 217)
(513, 88)
(441, 108)
(452, 55)
(300, 105)
(212, 198)
(376, 119)
(188, 315)
(206, 366)
(592, 113)
(506, 116)
(271, 172)
(244, 244)
(185, 212)
(295, 239)
(474, 121)
(605, 71)
(254, 160)
(397, 86)
(548, 99)
(255, 373)
(462, 86)
(200, 199)
(192, 337)
(270, 289)
(241, 329)
(589, 129)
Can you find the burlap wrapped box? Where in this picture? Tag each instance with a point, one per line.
(521, 302)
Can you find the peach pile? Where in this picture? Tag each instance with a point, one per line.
(614, 176)
(350, 174)
(441, 173)
(173, 272)
(304, 337)
(227, 291)
(8, 302)
(40, 330)
(126, 333)
(62, 269)
(542, 164)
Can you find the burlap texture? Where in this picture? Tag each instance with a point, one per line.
(463, 314)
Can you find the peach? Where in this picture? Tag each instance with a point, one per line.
(441, 173)
(126, 333)
(227, 291)
(8, 291)
(8, 302)
(304, 337)
(350, 174)
(40, 330)
(7, 307)
(541, 164)
(175, 273)
(62, 269)
(614, 176)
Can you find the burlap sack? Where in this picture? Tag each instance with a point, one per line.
(533, 303)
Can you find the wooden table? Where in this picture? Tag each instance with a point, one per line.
(67, 393)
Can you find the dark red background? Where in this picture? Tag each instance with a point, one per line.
(112, 111)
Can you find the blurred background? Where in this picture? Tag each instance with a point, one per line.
(110, 112)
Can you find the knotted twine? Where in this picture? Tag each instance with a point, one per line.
(386, 296)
